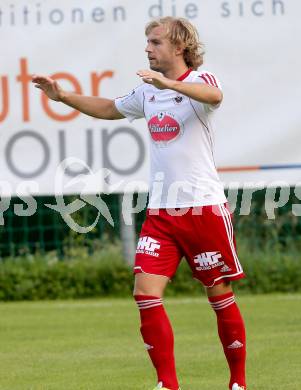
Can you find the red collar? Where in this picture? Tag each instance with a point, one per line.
(183, 77)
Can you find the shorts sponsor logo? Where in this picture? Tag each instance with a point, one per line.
(149, 246)
(208, 260)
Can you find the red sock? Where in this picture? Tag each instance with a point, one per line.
(158, 338)
(231, 330)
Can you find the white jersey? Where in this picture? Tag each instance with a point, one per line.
(183, 172)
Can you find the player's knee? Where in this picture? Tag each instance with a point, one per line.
(142, 291)
(219, 289)
(150, 285)
(148, 291)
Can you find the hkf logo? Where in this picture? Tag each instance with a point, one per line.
(148, 246)
(208, 260)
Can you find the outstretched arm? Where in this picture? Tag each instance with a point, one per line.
(90, 105)
(202, 93)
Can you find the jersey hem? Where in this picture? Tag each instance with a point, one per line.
(188, 205)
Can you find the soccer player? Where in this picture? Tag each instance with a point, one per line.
(187, 213)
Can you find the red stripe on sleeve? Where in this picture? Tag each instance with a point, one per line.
(204, 78)
(214, 80)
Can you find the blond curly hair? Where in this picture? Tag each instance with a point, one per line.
(181, 32)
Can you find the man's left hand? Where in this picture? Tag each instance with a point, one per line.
(155, 78)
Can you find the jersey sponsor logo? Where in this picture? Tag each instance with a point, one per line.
(208, 260)
(152, 99)
(164, 127)
(149, 246)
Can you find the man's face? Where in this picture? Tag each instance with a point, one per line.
(161, 53)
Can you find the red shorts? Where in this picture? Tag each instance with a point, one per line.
(203, 235)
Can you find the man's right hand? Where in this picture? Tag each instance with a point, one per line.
(49, 86)
(90, 105)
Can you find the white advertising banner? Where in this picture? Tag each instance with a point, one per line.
(96, 47)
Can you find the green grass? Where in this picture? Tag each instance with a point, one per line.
(94, 344)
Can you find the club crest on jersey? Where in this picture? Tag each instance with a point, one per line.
(178, 99)
(164, 127)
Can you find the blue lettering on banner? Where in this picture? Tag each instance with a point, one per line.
(38, 14)
(41, 165)
(257, 8)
